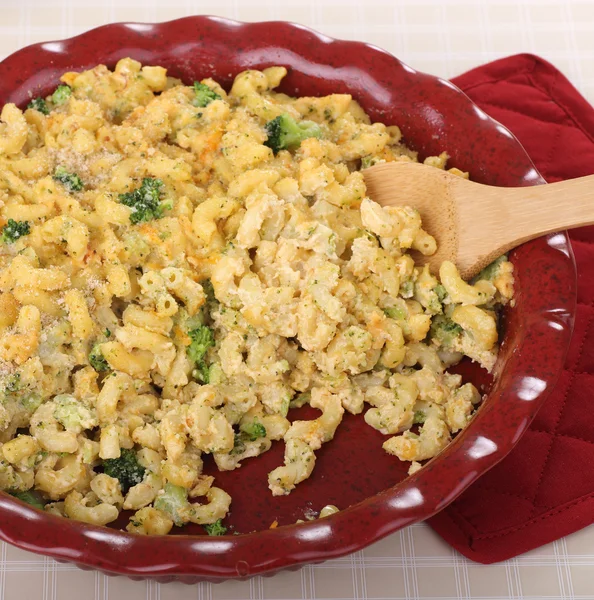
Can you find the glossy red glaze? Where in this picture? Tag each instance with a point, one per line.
(352, 471)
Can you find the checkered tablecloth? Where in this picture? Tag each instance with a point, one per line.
(444, 37)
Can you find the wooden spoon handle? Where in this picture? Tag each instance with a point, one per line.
(502, 219)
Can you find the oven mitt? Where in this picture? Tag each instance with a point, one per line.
(544, 489)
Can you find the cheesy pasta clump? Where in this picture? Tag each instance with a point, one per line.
(180, 266)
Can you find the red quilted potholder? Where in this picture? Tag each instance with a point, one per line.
(545, 488)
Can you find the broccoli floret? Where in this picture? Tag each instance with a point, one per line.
(174, 502)
(434, 298)
(40, 105)
(285, 133)
(201, 372)
(370, 161)
(366, 162)
(145, 201)
(61, 95)
(419, 417)
(13, 230)
(30, 402)
(395, 312)
(97, 360)
(14, 388)
(126, 469)
(30, 497)
(216, 528)
(444, 330)
(204, 95)
(250, 432)
(72, 414)
(202, 339)
(440, 291)
(490, 271)
(300, 400)
(253, 430)
(71, 181)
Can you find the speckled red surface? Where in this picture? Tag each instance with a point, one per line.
(353, 470)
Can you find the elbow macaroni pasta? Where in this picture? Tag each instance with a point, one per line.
(264, 281)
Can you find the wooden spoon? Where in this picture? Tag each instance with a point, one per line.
(473, 223)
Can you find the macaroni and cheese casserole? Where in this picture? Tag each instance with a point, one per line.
(180, 266)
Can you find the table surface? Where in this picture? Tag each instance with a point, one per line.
(443, 37)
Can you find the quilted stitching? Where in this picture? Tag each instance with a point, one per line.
(545, 480)
(537, 494)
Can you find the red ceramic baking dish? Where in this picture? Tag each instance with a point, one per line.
(353, 472)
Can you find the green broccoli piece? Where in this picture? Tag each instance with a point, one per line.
(433, 304)
(14, 388)
(97, 360)
(202, 339)
(285, 133)
(72, 414)
(174, 502)
(370, 161)
(145, 201)
(201, 372)
(444, 330)
(435, 298)
(13, 230)
(253, 430)
(61, 95)
(40, 105)
(126, 469)
(366, 162)
(419, 417)
(300, 400)
(204, 95)
(440, 291)
(250, 432)
(30, 497)
(30, 402)
(395, 312)
(71, 181)
(216, 528)
(490, 271)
